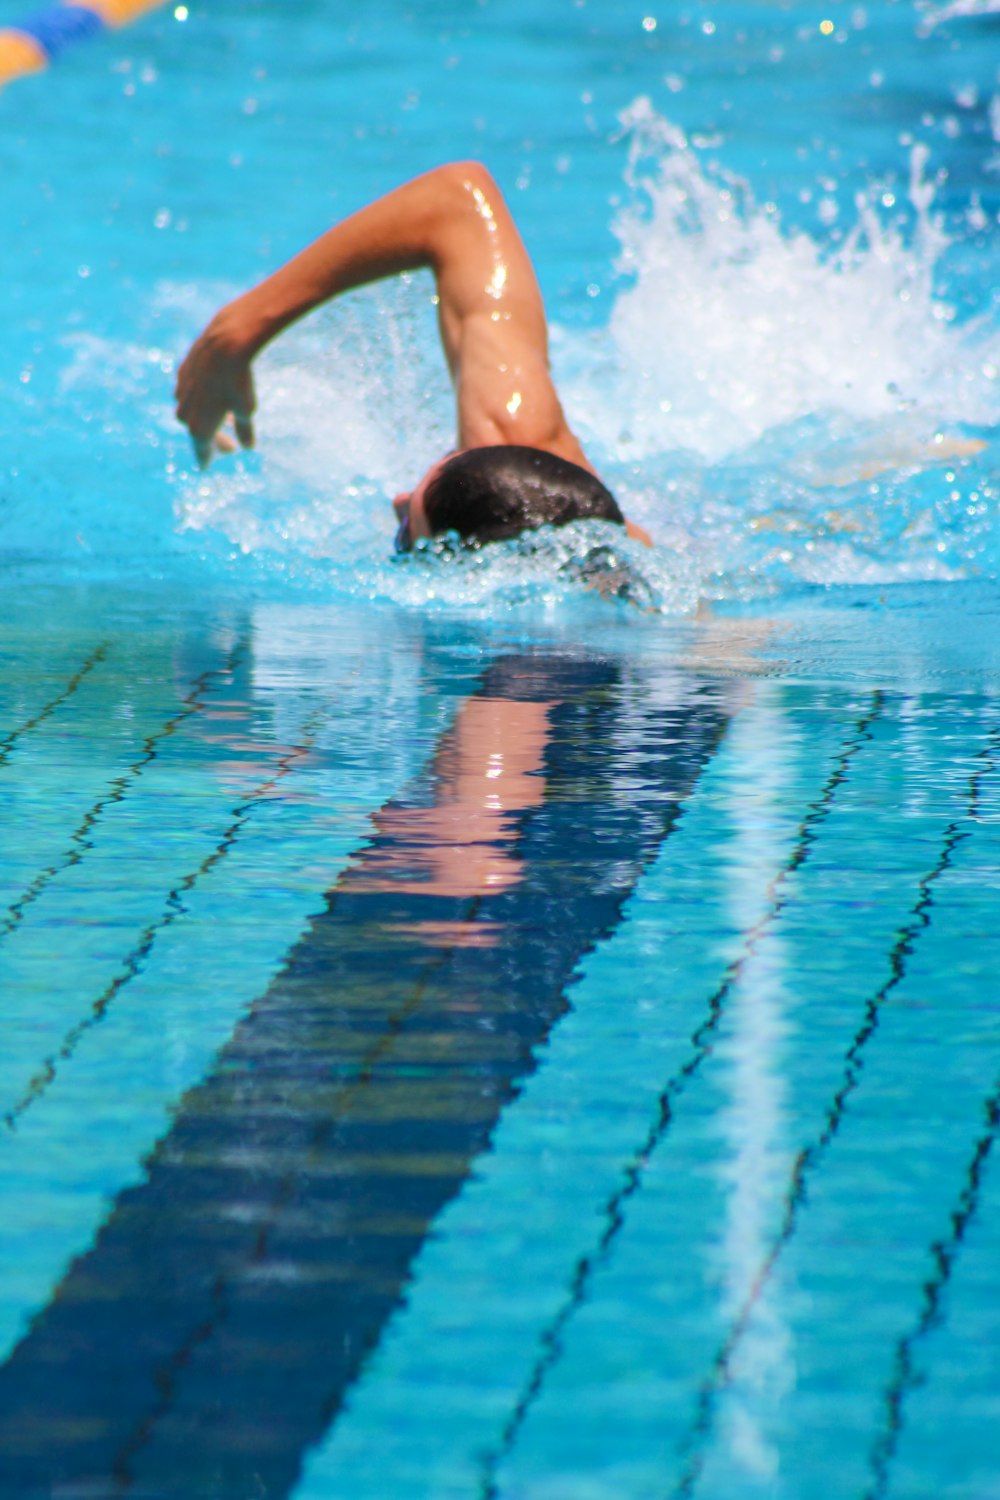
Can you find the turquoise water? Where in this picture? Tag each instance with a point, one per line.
(465, 1037)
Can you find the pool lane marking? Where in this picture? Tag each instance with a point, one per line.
(173, 908)
(776, 899)
(8, 741)
(192, 703)
(29, 45)
(351, 1089)
(290, 999)
(945, 1252)
(810, 1157)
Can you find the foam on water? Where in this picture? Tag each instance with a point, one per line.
(796, 411)
(935, 14)
(734, 328)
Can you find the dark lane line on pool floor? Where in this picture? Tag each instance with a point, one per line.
(944, 1253)
(8, 741)
(210, 1334)
(173, 908)
(810, 1157)
(79, 842)
(613, 1214)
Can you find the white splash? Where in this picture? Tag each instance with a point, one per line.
(734, 328)
(934, 15)
(354, 407)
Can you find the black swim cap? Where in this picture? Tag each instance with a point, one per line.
(491, 494)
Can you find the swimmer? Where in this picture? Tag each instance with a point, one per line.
(516, 464)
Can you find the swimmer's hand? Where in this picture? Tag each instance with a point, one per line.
(638, 533)
(214, 382)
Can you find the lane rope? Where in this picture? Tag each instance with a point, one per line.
(30, 45)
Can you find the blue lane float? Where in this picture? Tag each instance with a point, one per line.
(61, 26)
(31, 44)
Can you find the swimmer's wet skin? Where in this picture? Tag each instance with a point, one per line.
(517, 465)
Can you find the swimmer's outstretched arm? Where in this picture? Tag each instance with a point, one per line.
(492, 320)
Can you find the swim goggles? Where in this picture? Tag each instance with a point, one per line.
(403, 541)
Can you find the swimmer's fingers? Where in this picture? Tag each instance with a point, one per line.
(202, 418)
(243, 422)
(225, 442)
(205, 448)
(213, 381)
(222, 441)
(243, 402)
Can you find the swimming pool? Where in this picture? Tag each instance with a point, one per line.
(465, 1037)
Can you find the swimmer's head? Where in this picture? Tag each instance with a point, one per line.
(492, 494)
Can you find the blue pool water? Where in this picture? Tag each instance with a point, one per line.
(463, 1036)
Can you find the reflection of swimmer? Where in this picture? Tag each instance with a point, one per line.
(517, 465)
(488, 771)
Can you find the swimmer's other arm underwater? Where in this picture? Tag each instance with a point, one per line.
(517, 464)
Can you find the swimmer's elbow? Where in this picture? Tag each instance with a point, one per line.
(465, 173)
(460, 205)
(457, 179)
